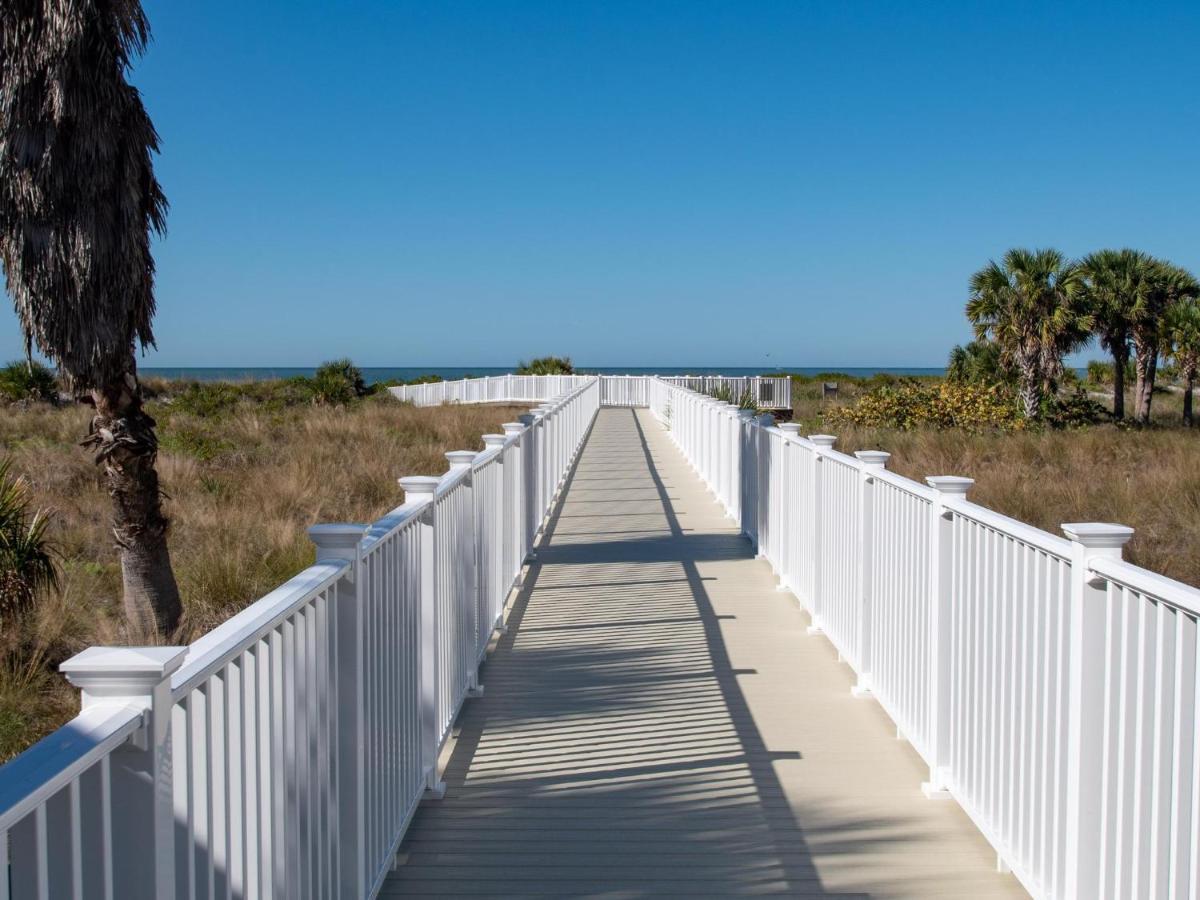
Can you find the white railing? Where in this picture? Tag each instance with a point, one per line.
(284, 753)
(1050, 686)
(766, 392)
(490, 389)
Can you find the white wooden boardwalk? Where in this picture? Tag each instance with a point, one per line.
(656, 722)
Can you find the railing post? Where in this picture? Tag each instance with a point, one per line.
(423, 489)
(529, 490)
(492, 605)
(469, 588)
(516, 515)
(762, 502)
(1086, 666)
(143, 810)
(873, 461)
(337, 542)
(821, 443)
(747, 472)
(941, 596)
(786, 550)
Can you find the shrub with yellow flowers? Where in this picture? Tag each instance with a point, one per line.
(914, 404)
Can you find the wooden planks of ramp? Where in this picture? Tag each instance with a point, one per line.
(656, 722)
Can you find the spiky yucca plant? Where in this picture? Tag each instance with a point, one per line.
(26, 560)
(78, 200)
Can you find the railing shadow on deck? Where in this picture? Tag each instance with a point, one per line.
(641, 741)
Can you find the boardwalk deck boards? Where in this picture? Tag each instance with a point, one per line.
(656, 722)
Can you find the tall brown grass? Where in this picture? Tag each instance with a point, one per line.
(242, 487)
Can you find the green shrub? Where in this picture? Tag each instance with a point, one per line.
(26, 555)
(1100, 372)
(380, 387)
(978, 363)
(547, 365)
(1073, 410)
(338, 382)
(193, 442)
(914, 404)
(207, 399)
(28, 380)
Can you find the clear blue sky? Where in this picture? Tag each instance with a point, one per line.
(645, 183)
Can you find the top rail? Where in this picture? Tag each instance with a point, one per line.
(61, 757)
(765, 392)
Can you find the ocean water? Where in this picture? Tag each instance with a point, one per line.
(450, 373)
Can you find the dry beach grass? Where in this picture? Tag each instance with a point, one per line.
(242, 488)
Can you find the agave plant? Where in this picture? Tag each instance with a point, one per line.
(26, 559)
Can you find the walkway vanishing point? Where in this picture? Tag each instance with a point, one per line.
(656, 722)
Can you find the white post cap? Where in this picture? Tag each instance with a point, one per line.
(121, 672)
(494, 440)
(336, 540)
(1103, 538)
(791, 429)
(419, 487)
(824, 441)
(460, 459)
(513, 427)
(873, 459)
(952, 485)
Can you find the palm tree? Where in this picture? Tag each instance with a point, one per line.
(1182, 332)
(1031, 305)
(1161, 286)
(1112, 282)
(78, 199)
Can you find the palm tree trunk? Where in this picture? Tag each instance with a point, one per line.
(1146, 364)
(1031, 391)
(126, 446)
(1189, 381)
(1120, 359)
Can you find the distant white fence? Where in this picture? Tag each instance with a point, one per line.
(766, 392)
(1050, 686)
(283, 753)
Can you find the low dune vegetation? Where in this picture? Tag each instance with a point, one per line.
(245, 469)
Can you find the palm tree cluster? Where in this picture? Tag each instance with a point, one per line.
(1037, 306)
